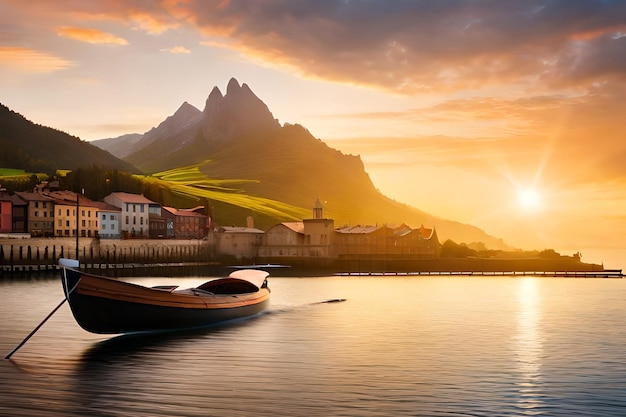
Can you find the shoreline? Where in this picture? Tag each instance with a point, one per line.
(133, 257)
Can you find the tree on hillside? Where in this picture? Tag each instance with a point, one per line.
(450, 249)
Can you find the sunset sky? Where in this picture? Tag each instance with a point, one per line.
(506, 114)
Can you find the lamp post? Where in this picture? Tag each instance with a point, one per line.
(77, 221)
(77, 215)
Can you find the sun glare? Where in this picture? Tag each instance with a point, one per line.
(529, 199)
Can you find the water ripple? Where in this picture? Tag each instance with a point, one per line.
(399, 346)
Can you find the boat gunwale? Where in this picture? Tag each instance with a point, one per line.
(115, 289)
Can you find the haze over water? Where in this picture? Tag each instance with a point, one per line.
(397, 346)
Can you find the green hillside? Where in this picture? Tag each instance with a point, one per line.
(277, 175)
(230, 205)
(35, 148)
(291, 165)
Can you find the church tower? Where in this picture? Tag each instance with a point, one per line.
(318, 210)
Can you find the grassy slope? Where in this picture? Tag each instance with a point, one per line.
(277, 176)
(231, 204)
(11, 172)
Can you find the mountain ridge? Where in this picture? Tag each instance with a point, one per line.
(33, 147)
(241, 138)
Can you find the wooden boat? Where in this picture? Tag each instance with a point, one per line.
(109, 306)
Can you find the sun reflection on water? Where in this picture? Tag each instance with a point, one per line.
(529, 345)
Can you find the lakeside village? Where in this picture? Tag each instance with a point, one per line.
(128, 228)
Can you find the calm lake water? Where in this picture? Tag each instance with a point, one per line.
(398, 346)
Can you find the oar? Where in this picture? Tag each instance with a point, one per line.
(36, 328)
(334, 300)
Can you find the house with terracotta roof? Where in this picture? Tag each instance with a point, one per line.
(386, 242)
(318, 238)
(40, 213)
(312, 238)
(13, 213)
(184, 223)
(65, 214)
(135, 213)
(283, 239)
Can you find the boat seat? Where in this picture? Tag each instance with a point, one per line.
(198, 291)
(168, 288)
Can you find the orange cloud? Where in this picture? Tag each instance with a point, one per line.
(31, 60)
(90, 36)
(177, 50)
(152, 24)
(587, 35)
(414, 48)
(408, 48)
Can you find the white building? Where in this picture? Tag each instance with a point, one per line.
(134, 215)
(109, 221)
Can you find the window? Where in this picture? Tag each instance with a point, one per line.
(83, 223)
(134, 208)
(104, 227)
(134, 220)
(60, 222)
(82, 213)
(68, 212)
(104, 217)
(36, 204)
(141, 220)
(141, 207)
(59, 212)
(67, 223)
(126, 219)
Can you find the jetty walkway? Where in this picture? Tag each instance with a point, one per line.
(607, 273)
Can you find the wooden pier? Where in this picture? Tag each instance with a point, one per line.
(607, 273)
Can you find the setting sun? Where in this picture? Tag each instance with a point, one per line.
(529, 199)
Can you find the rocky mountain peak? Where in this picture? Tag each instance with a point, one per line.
(215, 94)
(239, 112)
(186, 109)
(185, 115)
(233, 87)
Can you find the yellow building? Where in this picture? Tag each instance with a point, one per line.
(65, 215)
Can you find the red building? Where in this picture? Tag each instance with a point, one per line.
(185, 223)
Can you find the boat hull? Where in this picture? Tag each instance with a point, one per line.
(106, 306)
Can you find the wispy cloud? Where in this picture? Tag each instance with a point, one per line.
(152, 23)
(31, 60)
(87, 35)
(177, 50)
